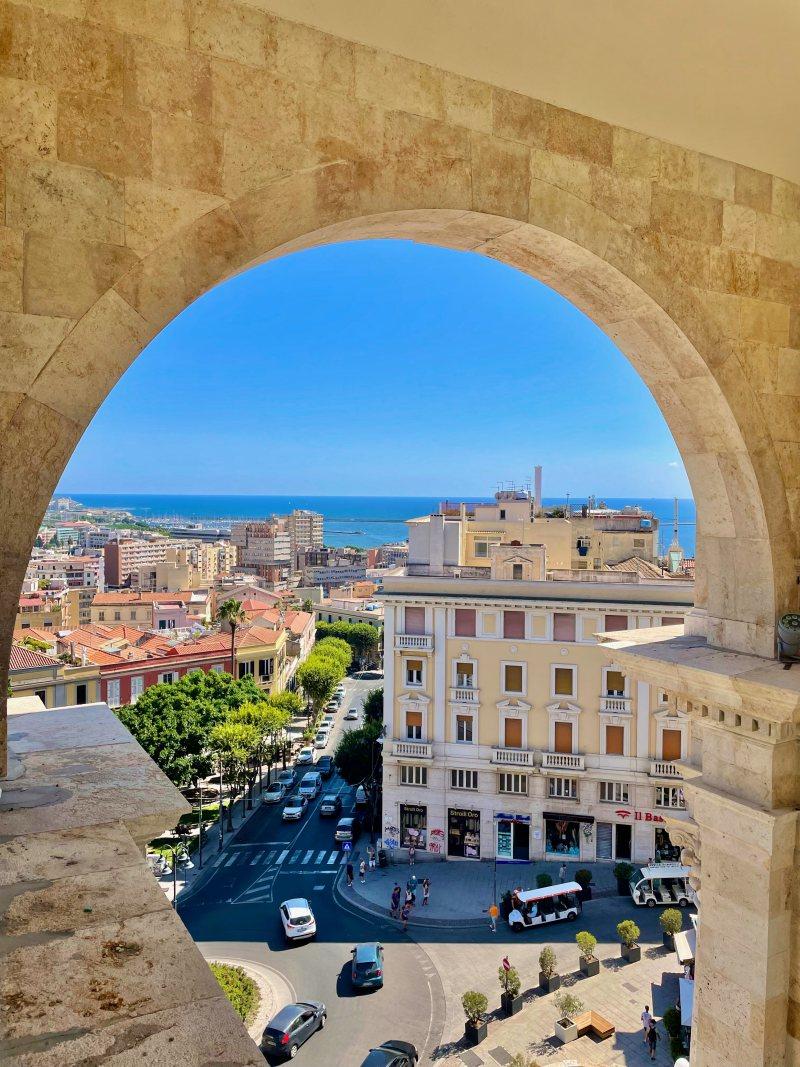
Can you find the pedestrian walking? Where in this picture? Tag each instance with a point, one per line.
(426, 891)
(349, 873)
(362, 871)
(371, 858)
(494, 911)
(562, 873)
(404, 914)
(395, 901)
(653, 1037)
(412, 855)
(647, 1018)
(410, 897)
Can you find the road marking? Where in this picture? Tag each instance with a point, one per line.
(317, 888)
(256, 858)
(218, 860)
(270, 857)
(333, 857)
(232, 859)
(283, 856)
(321, 856)
(295, 856)
(308, 855)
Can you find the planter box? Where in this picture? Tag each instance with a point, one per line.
(623, 888)
(631, 953)
(586, 893)
(551, 984)
(669, 941)
(511, 1005)
(590, 967)
(475, 1034)
(565, 1030)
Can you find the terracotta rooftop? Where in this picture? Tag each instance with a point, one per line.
(25, 658)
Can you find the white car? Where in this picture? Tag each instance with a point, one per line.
(294, 808)
(305, 755)
(274, 793)
(328, 721)
(352, 714)
(310, 785)
(298, 919)
(321, 739)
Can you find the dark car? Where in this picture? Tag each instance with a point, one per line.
(294, 1024)
(392, 1054)
(330, 805)
(367, 970)
(325, 766)
(347, 829)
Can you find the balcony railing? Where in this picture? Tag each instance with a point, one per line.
(464, 695)
(562, 761)
(512, 757)
(660, 768)
(418, 642)
(618, 705)
(413, 749)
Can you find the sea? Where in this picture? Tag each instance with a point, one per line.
(362, 521)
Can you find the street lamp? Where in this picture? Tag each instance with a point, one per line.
(175, 850)
(378, 741)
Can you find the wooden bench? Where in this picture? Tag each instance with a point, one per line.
(596, 1023)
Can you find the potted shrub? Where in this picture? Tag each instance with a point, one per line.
(622, 873)
(567, 1006)
(671, 922)
(510, 983)
(506, 907)
(549, 981)
(590, 964)
(629, 934)
(584, 879)
(543, 880)
(672, 1022)
(474, 1005)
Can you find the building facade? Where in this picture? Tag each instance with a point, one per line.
(306, 530)
(126, 555)
(57, 684)
(509, 736)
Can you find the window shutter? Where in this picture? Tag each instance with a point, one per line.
(415, 621)
(615, 740)
(563, 737)
(513, 733)
(465, 622)
(671, 745)
(514, 624)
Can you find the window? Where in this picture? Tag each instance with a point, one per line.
(218, 668)
(137, 688)
(565, 788)
(460, 779)
(513, 783)
(670, 744)
(514, 624)
(512, 733)
(615, 684)
(42, 695)
(563, 626)
(411, 774)
(615, 740)
(562, 737)
(512, 677)
(414, 725)
(465, 622)
(80, 693)
(465, 675)
(614, 792)
(246, 668)
(638, 542)
(266, 669)
(464, 728)
(101, 616)
(669, 796)
(415, 621)
(112, 689)
(481, 549)
(502, 513)
(615, 622)
(413, 672)
(564, 681)
(516, 572)
(133, 614)
(671, 620)
(117, 616)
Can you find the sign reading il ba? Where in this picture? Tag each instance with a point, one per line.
(638, 816)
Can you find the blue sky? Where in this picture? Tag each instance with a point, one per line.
(379, 367)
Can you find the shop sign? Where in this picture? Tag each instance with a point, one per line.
(638, 816)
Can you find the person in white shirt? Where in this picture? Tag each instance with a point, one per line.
(647, 1018)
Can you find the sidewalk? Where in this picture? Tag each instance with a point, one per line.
(462, 890)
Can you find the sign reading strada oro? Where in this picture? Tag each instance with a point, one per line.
(638, 816)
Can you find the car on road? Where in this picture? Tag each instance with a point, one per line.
(321, 738)
(325, 766)
(347, 829)
(294, 808)
(310, 785)
(330, 805)
(392, 1053)
(287, 779)
(274, 793)
(351, 714)
(367, 969)
(361, 797)
(293, 1025)
(305, 755)
(328, 721)
(298, 919)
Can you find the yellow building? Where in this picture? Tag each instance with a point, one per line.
(509, 734)
(56, 684)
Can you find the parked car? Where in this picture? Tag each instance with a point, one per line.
(294, 1024)
(310, 785)
(351, 714)
(298, 919)
(321, 738)
(328, 720)
(330, 805)
(294, 808)
(361, 797)
(287, 779)
(274, 793)
(325, 766)
(347, 829)
(392, 1053)
(367, 969)
(305, 755)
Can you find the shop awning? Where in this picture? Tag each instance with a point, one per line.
(510, 816)
(567, 816)
(686, 945)
(686, 995)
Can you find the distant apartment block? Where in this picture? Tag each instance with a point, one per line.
(306, 530)
(264, 549)
(124, 556)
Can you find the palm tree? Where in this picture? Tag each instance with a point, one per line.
(232, 612)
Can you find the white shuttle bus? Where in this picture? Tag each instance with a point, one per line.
(662, 884)
(535, 907)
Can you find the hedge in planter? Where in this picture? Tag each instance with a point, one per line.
(584, 878)
(567, 1006)
(238, 987)
(549, 981)
(543, 880)
(629, 934)
(671, 923)
(510, 983)
(474, 1005)
(622, 873)
(587, 943)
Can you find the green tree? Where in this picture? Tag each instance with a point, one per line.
(364, 640)
(319, 676)
(233, 744)
(231, 612)
(357, 755)
(307, 605)
(292, 704)
(335, 649)
(268, 721)
(373, 705)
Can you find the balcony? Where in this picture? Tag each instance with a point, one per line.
(413, 642)
(562, 761)
(512, 757)
(413, 749)
(660, 768)
(464, 695)
(616, 705)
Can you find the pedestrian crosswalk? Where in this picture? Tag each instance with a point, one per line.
(287, 858)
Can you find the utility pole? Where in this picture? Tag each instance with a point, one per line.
(200, 831)
(221, 813)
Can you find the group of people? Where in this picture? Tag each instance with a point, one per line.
(651, 1034)
(403, 912)
(365, 865)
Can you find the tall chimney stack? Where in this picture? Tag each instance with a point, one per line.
(537, 490)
